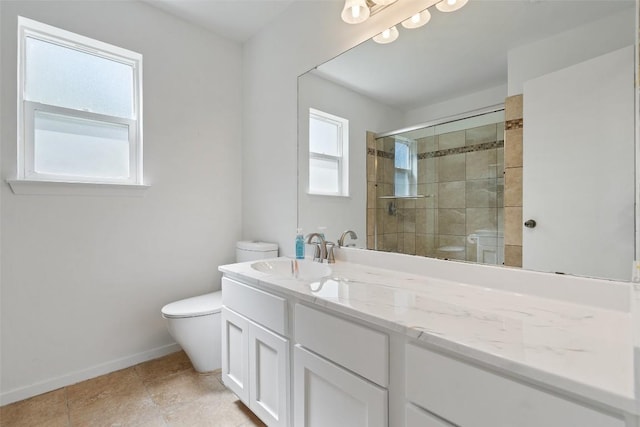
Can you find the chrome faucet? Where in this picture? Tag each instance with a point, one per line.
(323, 249)
(349, 233)
(320, 246)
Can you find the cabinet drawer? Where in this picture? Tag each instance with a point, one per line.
(261, 307)
(417, 417)
(357, 348)
(470, 396)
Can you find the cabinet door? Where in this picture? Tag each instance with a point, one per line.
(268, 376)
(327, 395)
(235, 353)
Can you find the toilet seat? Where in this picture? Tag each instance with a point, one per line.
(201, 305)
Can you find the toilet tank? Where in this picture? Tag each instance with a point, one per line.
(252, 251)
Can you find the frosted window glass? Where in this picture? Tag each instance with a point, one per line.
(324, 137)
(402, 187)
(402, 156)
(79, 147)
(65, 77)
(323, 176)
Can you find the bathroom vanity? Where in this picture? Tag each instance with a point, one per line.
(364, 346)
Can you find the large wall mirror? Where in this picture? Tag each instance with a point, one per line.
(502, 133)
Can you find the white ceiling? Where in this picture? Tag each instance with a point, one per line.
(233, 19)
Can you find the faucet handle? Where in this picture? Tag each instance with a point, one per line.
(331, 259)
(317, 252)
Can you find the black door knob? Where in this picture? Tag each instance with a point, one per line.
(530, 223)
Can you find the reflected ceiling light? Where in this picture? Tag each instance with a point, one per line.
(387, 36)
(355, 11)
(450, 5)
(417, 20)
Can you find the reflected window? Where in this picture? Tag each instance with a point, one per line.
(405, 165)
(328, 154)
(79, 103)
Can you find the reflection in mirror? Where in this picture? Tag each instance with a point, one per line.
(440, 190)
(564, 72)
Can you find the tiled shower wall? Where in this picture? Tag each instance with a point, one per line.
(460, 177)
(513, 185)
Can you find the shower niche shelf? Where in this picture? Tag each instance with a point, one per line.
(419, 196)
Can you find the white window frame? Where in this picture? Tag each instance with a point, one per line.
(27, 109)
(342, 158)
(411, 172)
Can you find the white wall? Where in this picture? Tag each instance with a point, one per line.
(338, 214)
(305, 35)
(463, 104)
(84, 278)
(568, 48)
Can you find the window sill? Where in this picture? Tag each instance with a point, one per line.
(62, 188)
(344, 196)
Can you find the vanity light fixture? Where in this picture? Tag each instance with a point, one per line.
(450, 5)
(417, 20)
(357, 11)
(387, 36)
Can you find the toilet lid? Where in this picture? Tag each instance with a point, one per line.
(195, 306)
(256, 246)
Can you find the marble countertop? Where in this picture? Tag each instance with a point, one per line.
(588, 351)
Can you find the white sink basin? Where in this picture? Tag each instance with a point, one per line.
(286, 268)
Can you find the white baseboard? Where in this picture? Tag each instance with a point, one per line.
(25, 392)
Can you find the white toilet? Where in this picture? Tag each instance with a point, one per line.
(253, 251)
(195, 322)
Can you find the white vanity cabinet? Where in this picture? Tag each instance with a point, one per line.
(300, 360)
(341, 371)
(255, 350)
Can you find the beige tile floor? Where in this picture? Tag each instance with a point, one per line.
(161, 392)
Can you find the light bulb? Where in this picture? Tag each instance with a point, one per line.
(355, 11)
(450, 5)
(417, 20)
(387, 36)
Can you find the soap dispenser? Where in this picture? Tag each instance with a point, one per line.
(299, 244)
